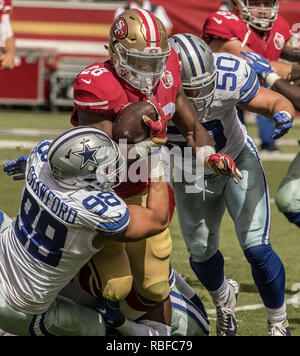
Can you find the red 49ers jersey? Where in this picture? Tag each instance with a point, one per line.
(228, 26)
(99, 89)
(5, 7)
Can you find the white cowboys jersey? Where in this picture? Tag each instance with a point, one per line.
(236, 83)
(51, 237)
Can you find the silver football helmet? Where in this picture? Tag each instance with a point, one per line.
(198, 71)
(85, 157)
(259, 14)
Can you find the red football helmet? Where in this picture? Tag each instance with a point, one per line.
(259, 14)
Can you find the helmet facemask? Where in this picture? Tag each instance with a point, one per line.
(200, 91)
(142, 70)
(139, 49)
(263, 17)
(198, 70)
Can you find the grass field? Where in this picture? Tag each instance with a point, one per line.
(284, 236)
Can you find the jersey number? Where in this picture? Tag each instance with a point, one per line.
(227, 81)
(102, 201)
(94, 70)
(41, 234)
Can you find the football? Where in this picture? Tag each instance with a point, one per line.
(129, 123)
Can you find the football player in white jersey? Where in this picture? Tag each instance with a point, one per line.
(216, 83)
(68, 212)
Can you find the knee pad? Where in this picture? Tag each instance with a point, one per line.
(117, 288)
(156, 291)
(283, 199)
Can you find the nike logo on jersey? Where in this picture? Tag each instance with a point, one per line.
(86, 81)
(116, 217)
(218, 21)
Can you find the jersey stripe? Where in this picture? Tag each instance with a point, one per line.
(266, 235)
(96, 103)
(250, 89)
(180, 302)
(115, 227)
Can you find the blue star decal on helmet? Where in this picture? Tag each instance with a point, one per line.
(87, 154)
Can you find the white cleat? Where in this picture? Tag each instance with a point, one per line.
(226, 321)
(279, 328)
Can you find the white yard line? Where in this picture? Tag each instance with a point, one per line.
(17, 144)
(293, 300)
(29, 132)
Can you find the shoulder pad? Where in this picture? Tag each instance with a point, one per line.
(97, 89)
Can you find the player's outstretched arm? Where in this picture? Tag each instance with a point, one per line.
(187, 123)
(152, 220)
(274, 106)
(148, 221)
(267, 75)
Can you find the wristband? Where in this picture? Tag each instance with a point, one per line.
(155, 166)
(207, 151)
(144, 147)
(272, 78)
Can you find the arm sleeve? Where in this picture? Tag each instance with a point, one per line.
(6, 27)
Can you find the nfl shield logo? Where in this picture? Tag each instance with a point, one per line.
(279, 40)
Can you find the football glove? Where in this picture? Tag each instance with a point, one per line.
(221, 164)
(283, 122)
(110, 311)
(16, 166)
(158, 128)
(259, 63)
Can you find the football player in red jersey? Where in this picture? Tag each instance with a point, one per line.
(142, 67)
(7, 40)
(254, 25)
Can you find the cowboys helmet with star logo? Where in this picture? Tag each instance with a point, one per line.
(85, 157)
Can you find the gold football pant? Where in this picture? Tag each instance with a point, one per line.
(144, 263)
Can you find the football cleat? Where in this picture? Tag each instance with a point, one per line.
(279, 328)
(226, 321)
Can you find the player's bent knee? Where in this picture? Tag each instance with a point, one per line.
(283, 199)
(156, 292)
(117, 288)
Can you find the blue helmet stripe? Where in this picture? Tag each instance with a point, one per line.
(197, 53)
(187, 53)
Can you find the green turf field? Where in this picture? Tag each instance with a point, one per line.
(284, 236)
